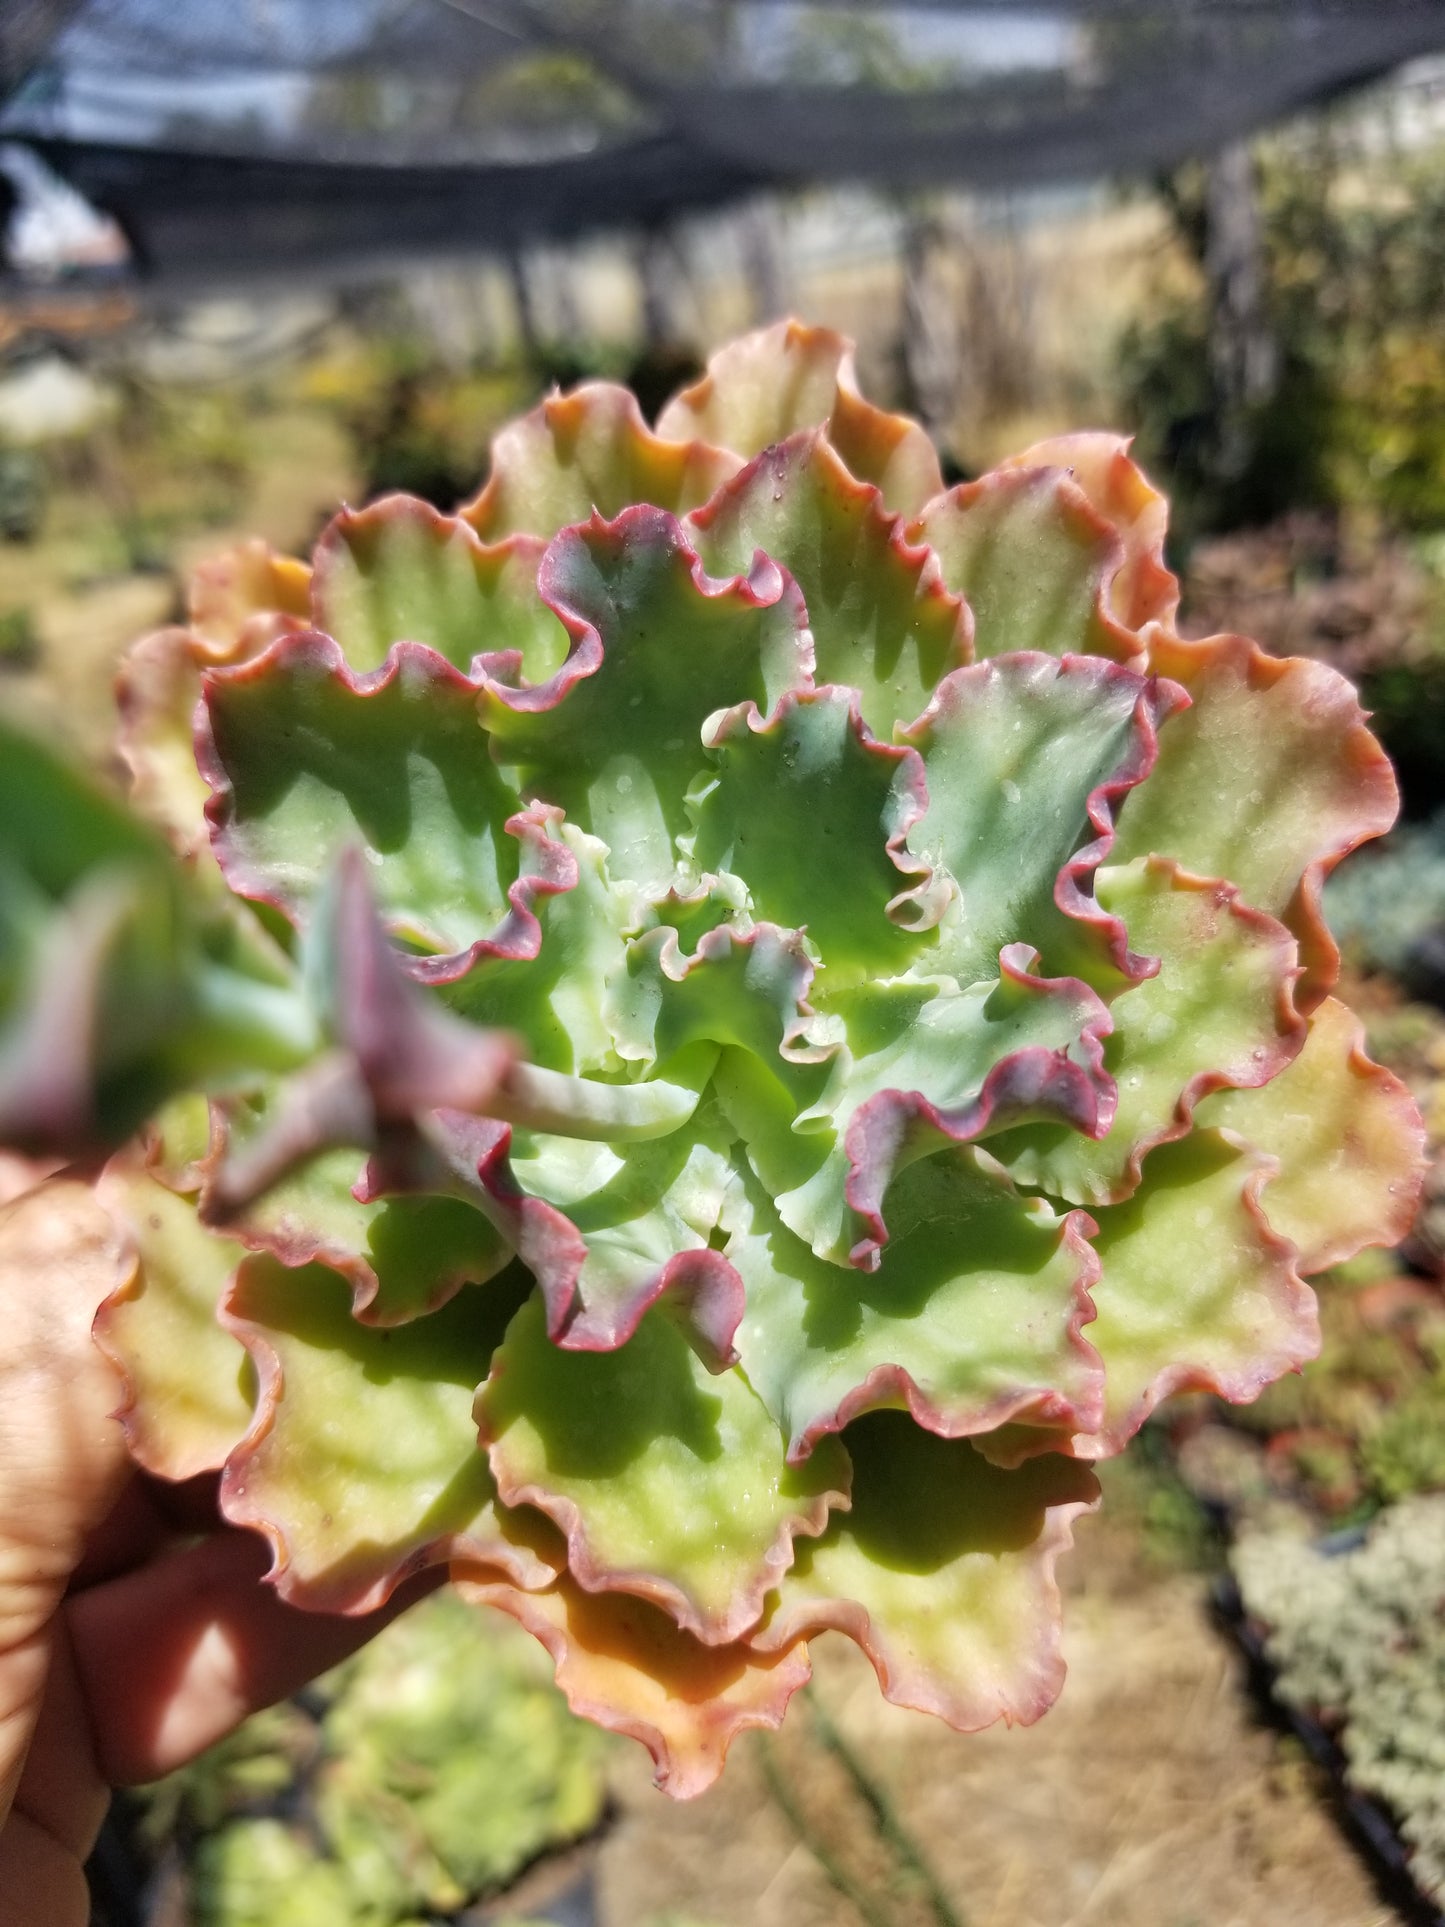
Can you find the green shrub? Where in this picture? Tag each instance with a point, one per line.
(1354, 257)
(19, 639)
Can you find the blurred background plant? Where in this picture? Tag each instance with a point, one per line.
(1351, 412)
(420, 1777)
(1356, 1629)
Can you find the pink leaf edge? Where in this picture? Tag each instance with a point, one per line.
(1034, 1081)
(1242, 1384)
(362, 1594)
(593, 1575)
(766, 585)
(548, 866)
(1158, 700)
(1039, 1407)
(689, 1738)
(913, 1686)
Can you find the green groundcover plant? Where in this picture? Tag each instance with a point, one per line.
(1358, 1637)
(434, 1767)
(784, 1000)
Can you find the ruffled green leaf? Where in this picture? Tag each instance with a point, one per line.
(616, 737)
(644, 1214)
(669, 1483)
(1033, 561)
(239, 602)
(362, 1465)
(972, 1319)
(1348, 1139)
(813, 814)
(741, 988)
(189, 1385)
(1142, 588)
(307, 760)
(924, 1065)
(1026, 760)
(1219, 1012)
(399, 571)
(1267, 781)
(778, 380)
(762, 388)
(1196, 1291)
(558, 999)
(403, 1257)
(889, 451)
(943, 1572)
(881, 619)
(589, 452)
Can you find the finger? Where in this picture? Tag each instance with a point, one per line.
(19, 1175)
(174, 1656)
(132, 1533)
(62, 1457)
(61, 1788)
(41, 1885)
(149, 1517)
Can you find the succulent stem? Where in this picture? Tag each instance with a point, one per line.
(542, 1100)
(258, 1026)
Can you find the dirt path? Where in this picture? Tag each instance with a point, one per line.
(1149, 1797)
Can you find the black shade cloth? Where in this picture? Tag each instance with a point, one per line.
(236, 137)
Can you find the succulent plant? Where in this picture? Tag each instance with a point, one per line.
(432, 1769)
(1389, 908)
(1358, 1637)
(786, 998)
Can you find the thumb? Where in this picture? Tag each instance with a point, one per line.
(62, 1456)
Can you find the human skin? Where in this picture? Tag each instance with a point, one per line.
(134, 1627)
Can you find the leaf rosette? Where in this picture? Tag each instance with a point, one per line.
(784, 1009)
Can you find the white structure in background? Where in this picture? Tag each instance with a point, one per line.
(50, 399)
(52, 230)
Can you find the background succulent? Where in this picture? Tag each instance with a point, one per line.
(1358, 1636)
(432, 1768)
(786, 997)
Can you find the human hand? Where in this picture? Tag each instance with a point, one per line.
(134, 1630)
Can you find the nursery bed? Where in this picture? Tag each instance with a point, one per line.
(1368, 1824)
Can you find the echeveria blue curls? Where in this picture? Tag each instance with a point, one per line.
(719, 1024)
